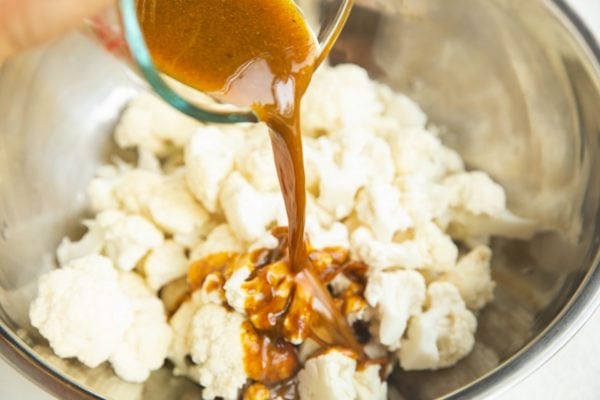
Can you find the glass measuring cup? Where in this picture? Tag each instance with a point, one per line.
(118, 31)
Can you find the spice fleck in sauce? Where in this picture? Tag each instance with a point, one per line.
(260, 54)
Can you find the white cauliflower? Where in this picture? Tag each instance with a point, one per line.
(134, 188)
(438, 250)
(478, 208)
(267, 241)
(440, 336)
(181, 344)
(145, 343)
(234, 293)
(127, 238)
(101, 189)
(255, 161)
(397, 296)
(337, 186)
(327, 377)
(345, 162)
(150, 124)
(82, 310)
(417, 152)
(91, 243)
(368, 384)
(220, 239)
(476, 193)
(381, 255)
(334, 236)
(473, 278)
(176, 211)
(250, 213)
(379, 208)
(218, 351)
(209, 158)
(333, 376)
(164, 264)
(424, 200)
(429, 249)
(351, 100)
(401, 109)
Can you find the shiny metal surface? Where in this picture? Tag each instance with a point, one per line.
(517, 86)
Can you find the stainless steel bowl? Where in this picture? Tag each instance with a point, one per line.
(516, 84)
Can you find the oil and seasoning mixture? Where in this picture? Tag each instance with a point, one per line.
(261, 54)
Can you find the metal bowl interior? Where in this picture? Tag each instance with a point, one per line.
(515, 86)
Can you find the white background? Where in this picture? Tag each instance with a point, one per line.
(572, 374)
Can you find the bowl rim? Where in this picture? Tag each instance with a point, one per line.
(573, 315)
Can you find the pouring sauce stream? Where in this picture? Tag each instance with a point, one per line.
(260, 54)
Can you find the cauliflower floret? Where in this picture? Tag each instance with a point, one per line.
(250, 213)
(478, 208)
(438, 249)
(220, 239)
(334, 236)
(476, 193)
(424, 200)
(351, 100)
(337, 187)
(380, 255)
(164, 264)
(255, 161)
(378, 207)
(418, 152)
(372, 154)
(101, 189)
(91, 243)
(176, 211)
(218, 351)
(134, 187)
(145, 344)
(327, 377)
(209, 158)
(346, 161)
(397, 296)
(150, 124)
(472, 276)
(401, 109)
(333, 376)
(82, 310)
(441, 335)
(181, 344)
(267, 241)
(127, 238)
(234, 292)
(368, 384)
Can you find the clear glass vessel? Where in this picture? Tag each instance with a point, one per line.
(118, 30)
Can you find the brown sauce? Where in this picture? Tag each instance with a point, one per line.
(260, 54)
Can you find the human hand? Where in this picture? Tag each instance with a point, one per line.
(25, 23)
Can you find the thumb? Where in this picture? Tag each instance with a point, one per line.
(24, 23)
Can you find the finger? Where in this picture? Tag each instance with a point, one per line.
(24, 23)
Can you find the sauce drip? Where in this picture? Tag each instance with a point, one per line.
(256, 53)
